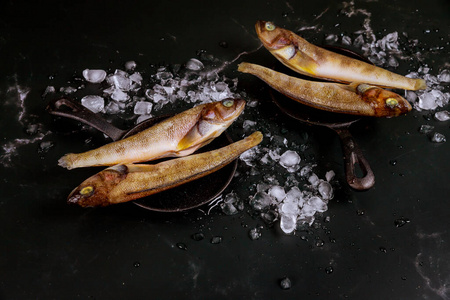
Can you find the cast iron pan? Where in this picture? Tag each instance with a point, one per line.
(340, 123)
(184, 197)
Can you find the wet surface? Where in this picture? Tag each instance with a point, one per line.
(388, 242)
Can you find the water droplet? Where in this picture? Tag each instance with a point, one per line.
(284, 14)
(181, 246)
(329, 270)
(136, 264)
(382, 249)
(360, 212)
(393, 162)
(404, 278)
(198, 236)
(320, 243)
(285, 283)
(216, 240)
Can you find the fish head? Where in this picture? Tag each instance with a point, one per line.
(95, 190)
(222, 113)
(271, 36)
(384, 102)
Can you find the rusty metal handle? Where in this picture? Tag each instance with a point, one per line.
(352, 156)
(70, 109)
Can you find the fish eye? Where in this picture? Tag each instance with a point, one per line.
(391, 102)
(269, 26)
(87, 190)
(228, 102)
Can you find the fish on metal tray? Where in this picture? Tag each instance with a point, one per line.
(307, 59)
(356, 98)
(177, 136)
(126, 182)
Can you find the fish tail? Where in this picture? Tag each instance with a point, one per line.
(66, 161)
(420, 84)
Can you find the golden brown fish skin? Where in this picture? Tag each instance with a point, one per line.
(123, 183)
(308, 59)
(179, 135)
(356, 99)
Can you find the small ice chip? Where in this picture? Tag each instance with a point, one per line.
(288, 223)
(130, 65)
(142, 118)
(438, 138)
(426, 129)
(411, 96)
(444, 76)
(143, 108)
(442, 115)
(93, 103)
(248, 124)
(194, 65)
(94, 76)
(254, 233)
(325, 190)
(119, 80)
(290, 160)
(329, 175)
(112, 108)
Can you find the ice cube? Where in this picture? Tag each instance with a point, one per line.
(325, 190)
(288, 223)
(119, 80)
(143, 108)
(136, 77)
(93, 103)
(130, 65)
(260, 201)
(346, 40)
(94, 76)
(294, 194)
(112, 108)
(277, 192)
(411, 96)
(249, 156)
(290, 160)
(194, 65)
(444, 76)
(427, 101)
(313, 179)
(290, 207)
(329, 175)
(119, 95)
(442, 115)
(438, 138)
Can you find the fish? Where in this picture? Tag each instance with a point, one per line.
(307, 59)
(177, 136)
(126, 182)
(357, 98)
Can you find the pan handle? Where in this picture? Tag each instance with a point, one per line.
(352, 156)
(70, 109)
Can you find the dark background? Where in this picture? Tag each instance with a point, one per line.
(50, 250)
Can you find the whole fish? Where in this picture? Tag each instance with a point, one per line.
(357, 98)
(308, 59)
(122, 183)
(177, 136)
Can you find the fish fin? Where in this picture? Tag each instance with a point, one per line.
(302, 63)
